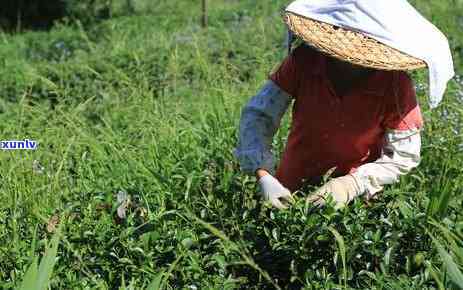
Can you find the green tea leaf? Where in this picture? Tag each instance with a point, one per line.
(342, 251)
(452, 268)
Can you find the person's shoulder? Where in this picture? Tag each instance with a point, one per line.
(401, 90)
(404, 78)
(396, 80)
(304, 51)
(400, 77)
(307, 59)
(405, 83)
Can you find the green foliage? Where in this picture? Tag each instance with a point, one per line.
(16, 14)
(450, 249)
(38, 277)
(88, 11)
(149, 105)
(20, 14)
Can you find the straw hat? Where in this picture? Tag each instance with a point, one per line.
(350, 46)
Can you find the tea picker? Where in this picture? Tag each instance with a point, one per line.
(354, 108)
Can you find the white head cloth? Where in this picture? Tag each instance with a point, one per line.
(394, 23)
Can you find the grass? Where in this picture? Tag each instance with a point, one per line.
(38, 276)
(149, 105)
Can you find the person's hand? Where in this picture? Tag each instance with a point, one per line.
(342, 190)
(274, 192)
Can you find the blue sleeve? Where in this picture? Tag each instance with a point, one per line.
(260, 120)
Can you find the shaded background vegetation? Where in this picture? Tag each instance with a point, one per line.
(17, 15)
(146, 105)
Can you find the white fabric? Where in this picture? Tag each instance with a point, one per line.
(341, 189)
(394, 23)
(401, 153)
(274, 192)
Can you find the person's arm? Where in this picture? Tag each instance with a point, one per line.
(260, 119)
(401, 153)
(402, 144)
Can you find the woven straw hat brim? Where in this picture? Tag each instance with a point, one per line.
(350, 46)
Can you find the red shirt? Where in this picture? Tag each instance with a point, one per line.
(338, 131)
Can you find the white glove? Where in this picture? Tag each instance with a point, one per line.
(342, 190)
(272, 191)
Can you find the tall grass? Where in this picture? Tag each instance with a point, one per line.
(450, 250)
(38, 276)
